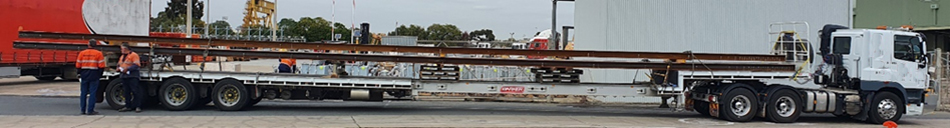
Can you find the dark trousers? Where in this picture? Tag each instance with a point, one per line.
(88, 85)
(283, 68)
(133, 93)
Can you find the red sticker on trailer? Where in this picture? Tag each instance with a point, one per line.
(512, 89)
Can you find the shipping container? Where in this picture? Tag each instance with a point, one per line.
(719, 26)
(125, 17)
(400, 40)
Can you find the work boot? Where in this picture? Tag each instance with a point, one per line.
(138, 110)
(125, 110)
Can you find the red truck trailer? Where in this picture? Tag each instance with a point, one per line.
(126, 17)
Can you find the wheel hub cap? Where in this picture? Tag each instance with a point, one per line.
(785, 106)
(177, 95)
(740, 105)
(887, 109)
(229, 96)
(118, 95)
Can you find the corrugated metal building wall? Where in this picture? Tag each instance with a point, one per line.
(707, 26)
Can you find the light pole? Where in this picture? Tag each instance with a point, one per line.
(188, 19)
(553, 38)
(273, 23)
(207, 16)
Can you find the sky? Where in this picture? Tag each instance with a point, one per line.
(522, 17)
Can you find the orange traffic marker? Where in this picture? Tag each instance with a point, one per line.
(890, 124)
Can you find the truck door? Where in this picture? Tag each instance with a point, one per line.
(909, 69)
(849, 57)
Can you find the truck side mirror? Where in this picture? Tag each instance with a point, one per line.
(924, 60)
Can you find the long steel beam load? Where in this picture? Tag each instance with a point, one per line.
(414, 49)
(421, 59)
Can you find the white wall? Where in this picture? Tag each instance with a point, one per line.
(702, 26)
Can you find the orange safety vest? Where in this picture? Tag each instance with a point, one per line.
(127, 61)
(289, 62)
(90, 59)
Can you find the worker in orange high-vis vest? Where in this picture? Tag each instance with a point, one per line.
(91, 63)
(129, 68)
(287, 66)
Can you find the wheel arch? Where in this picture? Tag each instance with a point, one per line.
(753, 86)
(881, 86)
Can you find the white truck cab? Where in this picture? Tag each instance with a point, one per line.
(875, 75)
(877, 61)
(891, 56)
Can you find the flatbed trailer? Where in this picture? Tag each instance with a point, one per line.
(856, 76)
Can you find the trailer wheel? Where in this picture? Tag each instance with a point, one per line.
(230, 95)
(114, 94)
(702, 107)
(783, 106)
(177, 94)
(885, 106)
(738, 105)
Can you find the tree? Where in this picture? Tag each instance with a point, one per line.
(220, 27)
(173, 16)
(343, 30)
(443, 32)
(483, 35)
(412, 30)
(466, 36)
(177, 8)
(312, 29)
(286, 24)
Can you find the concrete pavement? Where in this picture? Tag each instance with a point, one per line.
(29, 86)
(18, 111)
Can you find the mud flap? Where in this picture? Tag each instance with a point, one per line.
(688, 104)
(714, 109)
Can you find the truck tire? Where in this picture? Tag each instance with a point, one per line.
(177, 94)
(784, 106)
(230, 95)
(46, 78)
(885, 106)
(114, 94)
(702, 107)
(738, 105)
(255, 101)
